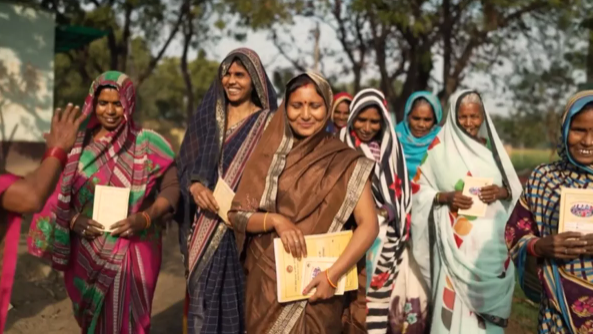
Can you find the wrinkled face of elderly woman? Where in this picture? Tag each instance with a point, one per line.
(580, 136)
(306, 109)
(470, 115)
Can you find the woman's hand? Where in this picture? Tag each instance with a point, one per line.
(563, 246)
(203, 197)
(457, 201)
(292, 237)
(64, 128)
(129, 226)
(323, 289)
(493, 193)
(588, 241)
(87, 228)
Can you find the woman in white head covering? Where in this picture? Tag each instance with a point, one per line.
(464, 258)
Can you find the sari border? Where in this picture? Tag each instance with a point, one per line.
(356, 184)
(292, 312)
(241, 219)
(268, 200)
(288, 317)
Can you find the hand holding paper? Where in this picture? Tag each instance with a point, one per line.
(110, 205)
(223, 194)
(472, 189)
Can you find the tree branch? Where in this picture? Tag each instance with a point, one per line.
(154, 60)
(294, 63)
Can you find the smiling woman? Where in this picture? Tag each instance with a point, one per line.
(564, 260)
(580, 136)
(108, 109)
(302, 181)
(110, 150)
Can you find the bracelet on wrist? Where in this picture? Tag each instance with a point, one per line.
(73, 220)
(335, 286)
(148, 220)
(531, 247)
(58, 153)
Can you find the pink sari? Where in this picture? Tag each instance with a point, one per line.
(110, 280)
(10, 227)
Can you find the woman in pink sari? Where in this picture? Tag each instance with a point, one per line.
(20, 196)
(110, 275)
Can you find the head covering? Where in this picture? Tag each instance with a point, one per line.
(339, 98)
(120, 158)
(391, 190)
(542, 198)
(474, 259)
(415, 148)
(201, 148)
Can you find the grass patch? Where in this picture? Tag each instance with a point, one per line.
(524, 312)
(527, 159)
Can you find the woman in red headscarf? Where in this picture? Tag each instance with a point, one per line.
(339, 113)
(20, 196)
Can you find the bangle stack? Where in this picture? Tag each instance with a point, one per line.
(58, 153)
(335, 286)
(531, 247)
(148, 220)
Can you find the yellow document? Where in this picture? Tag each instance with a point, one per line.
(576, 210)
(472, 189)
(110, 205)
(313, 266)
(289, 270)
(223, 194)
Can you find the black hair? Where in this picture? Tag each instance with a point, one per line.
(254, 97)
(420, 100)
(299, 82)
(100, 89)
(588, 106)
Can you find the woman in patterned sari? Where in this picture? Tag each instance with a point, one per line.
(396, 299)
(564, 259)
(471, 279)
(19, 196)
(303, 181)
(221, 137)
(110, 275)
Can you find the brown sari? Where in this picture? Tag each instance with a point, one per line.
(316, 183)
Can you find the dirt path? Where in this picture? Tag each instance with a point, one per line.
(42, 306)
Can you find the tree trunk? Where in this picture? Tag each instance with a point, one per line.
(188, 32)
(590, 55)
(417, 77)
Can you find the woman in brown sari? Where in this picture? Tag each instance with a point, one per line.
(302, 181)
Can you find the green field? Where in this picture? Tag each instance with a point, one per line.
(527, 159)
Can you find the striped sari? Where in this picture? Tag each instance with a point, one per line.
(110, 280)
(566, 295)
(215, 281)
